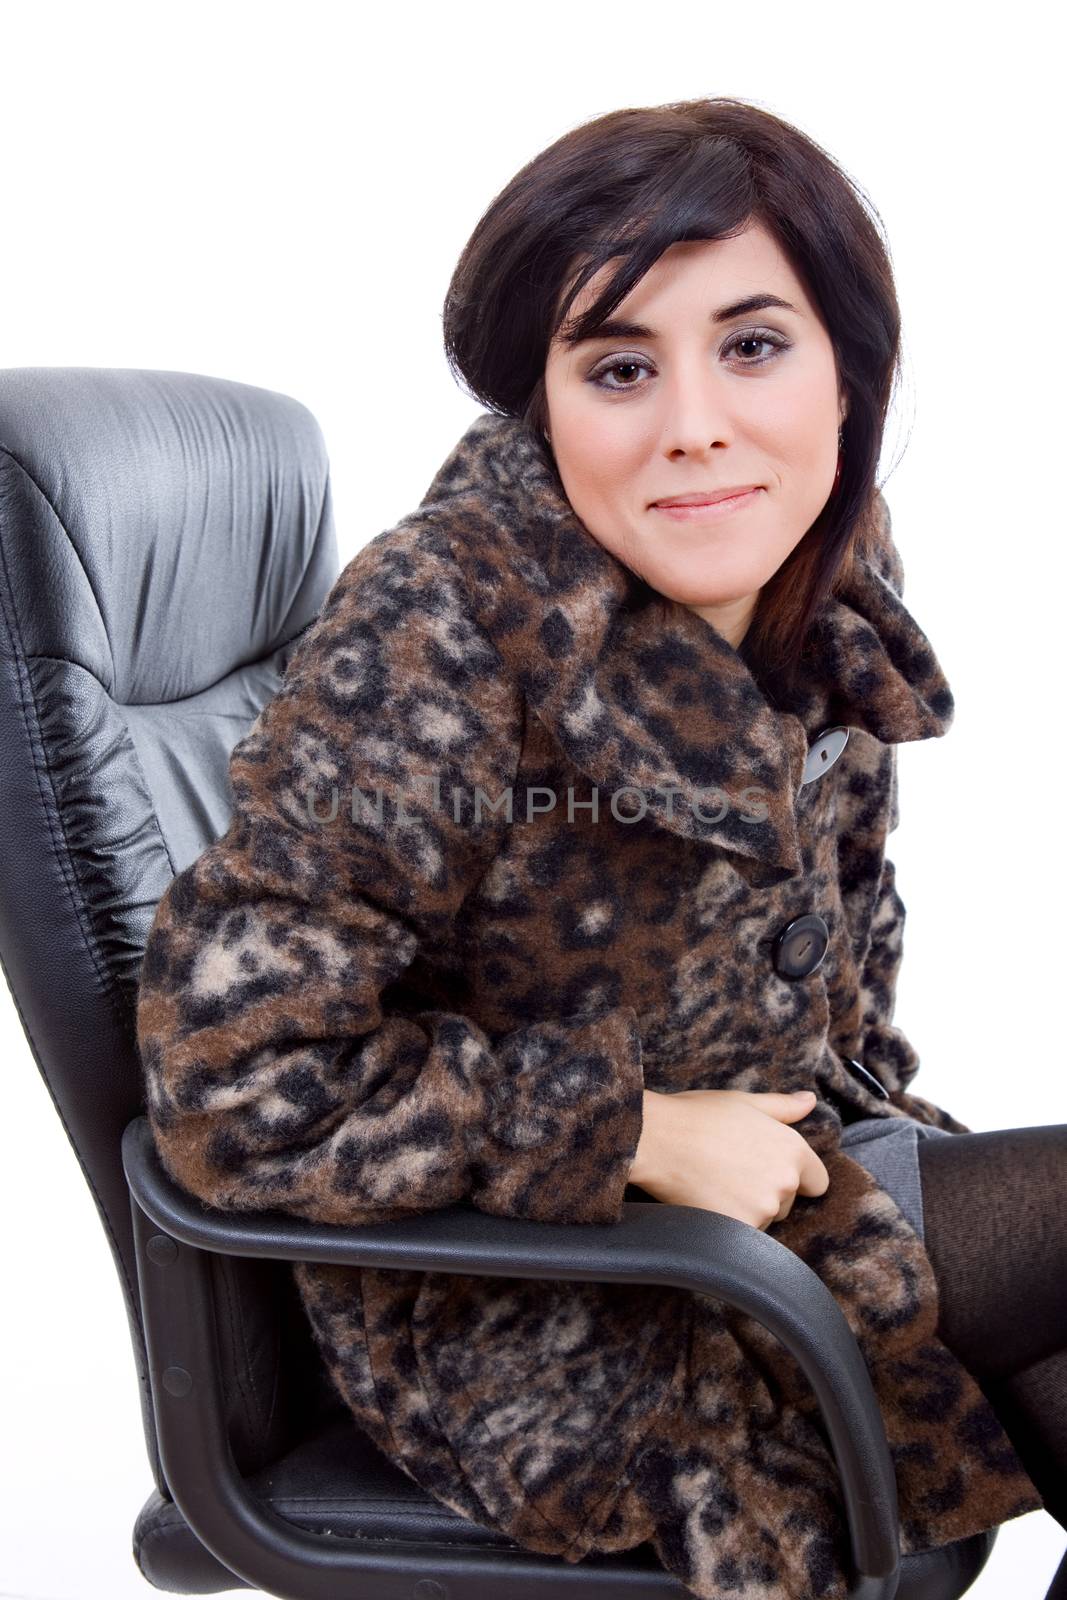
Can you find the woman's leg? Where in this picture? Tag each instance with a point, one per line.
(994, 1215)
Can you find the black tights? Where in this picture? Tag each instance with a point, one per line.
(994, 1207)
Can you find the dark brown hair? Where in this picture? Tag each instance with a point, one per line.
(630, 184)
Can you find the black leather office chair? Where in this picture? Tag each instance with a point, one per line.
(165, 539)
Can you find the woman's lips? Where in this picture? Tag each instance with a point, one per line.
(711, 510)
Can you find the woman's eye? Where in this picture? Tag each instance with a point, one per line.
(739, 342)
(756, 339)
(617, 366)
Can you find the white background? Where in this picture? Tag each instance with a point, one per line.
(278, 194)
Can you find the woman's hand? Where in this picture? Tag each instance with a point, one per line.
(728, 1150)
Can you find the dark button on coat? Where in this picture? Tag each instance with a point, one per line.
(354, 1020)
(801, 945)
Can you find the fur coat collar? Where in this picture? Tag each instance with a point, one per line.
(354, 1024)
(606, 663)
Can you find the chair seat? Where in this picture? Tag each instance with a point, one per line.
(337, 1481)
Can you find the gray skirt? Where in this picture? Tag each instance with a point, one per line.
(889, 1149)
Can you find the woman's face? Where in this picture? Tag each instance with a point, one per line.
(698, 397)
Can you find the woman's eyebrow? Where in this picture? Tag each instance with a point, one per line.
(615, 328)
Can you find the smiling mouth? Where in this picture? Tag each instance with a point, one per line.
(708, 509)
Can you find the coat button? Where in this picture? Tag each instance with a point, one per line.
(823, 752)
(801, 945)
(866, 1077)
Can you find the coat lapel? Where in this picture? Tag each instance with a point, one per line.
(641, 693)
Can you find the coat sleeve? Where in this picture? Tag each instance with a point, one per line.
(869, 812)
(279, 1071)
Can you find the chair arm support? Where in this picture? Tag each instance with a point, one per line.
(678, 1246)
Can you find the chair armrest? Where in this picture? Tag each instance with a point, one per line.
(460, 1238)
(679, 1246)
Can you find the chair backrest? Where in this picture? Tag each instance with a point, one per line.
(165, 538)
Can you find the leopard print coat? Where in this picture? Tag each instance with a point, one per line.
(380, 993)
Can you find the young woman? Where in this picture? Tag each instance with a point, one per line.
(557, 878)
